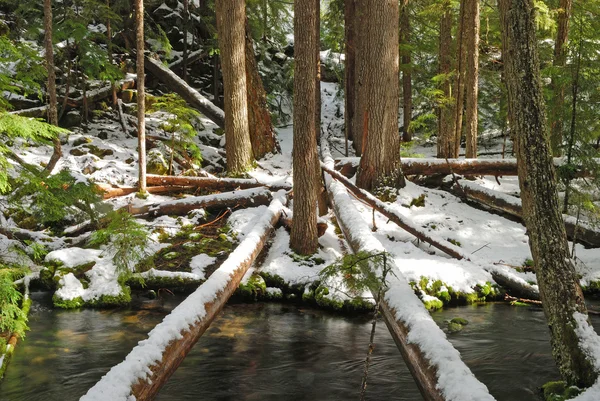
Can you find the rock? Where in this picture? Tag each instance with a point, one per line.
(78, 151)
(156, 163)
(71, 119)
(128, 95)
(103, 135)
(82, 141)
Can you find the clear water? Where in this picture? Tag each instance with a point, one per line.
(273, 352)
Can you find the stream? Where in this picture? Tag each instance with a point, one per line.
(268, 351)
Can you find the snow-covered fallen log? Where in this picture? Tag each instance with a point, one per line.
(435, 364)
(243, 198)
(189, 94)
(109, 192)
(502, 276)
(149, 365)
(578, 230)
(430, 166)
(220, 184)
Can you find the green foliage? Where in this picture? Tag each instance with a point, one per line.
(125, 238)
(52, 199)
(12, 317)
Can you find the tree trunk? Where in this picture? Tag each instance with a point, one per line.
(360, 61)
(349, 68)
(459, 85)
(303, 238)
(317, 32)
(559, 288)
(141, 96)
(472, 75)
(446, 138)
(262, 135)
(219, 184)
(186, 18)
(380, 163)
(231, 17)
(558, 88)
(406, 71)
(51, 87)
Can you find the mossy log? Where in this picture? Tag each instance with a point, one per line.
(244, 198)
(507, 281)
(220, 184)
(189, 94)
(429, 166)
(578, 231)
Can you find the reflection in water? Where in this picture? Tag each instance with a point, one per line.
(273, 352)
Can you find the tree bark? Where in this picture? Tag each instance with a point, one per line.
(220, 184)
(559, 288)
(558, 88)
(141, 96)
(380, 163)
(303, 238)
(186, 18)
(349, 68)
(459, 84)
(262, 135)
(231, 17)
(446, 137)
(51, 86)
(472, 76)
(317, 32)
(406, 71)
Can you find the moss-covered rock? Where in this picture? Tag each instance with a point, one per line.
(253, 289)
(558, 391)
(156, 163)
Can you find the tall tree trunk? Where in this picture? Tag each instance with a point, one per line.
(318, 76)
(186, 18)
(262, 135)
(446, 137)
(303, 237)
(141, 95)
(472, 75)
(231, 17)
(459, 86)
(559, 287)
(349, 67)
(406, 71)
(216, 82)
(359, 131)
(379, 90)
(51, 86)
(558, 88)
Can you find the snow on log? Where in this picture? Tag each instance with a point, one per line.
(150, 364)
(92, 96)
(244, 198)
(109, 192)
(221, 184)
(189, 94)
(191, 58)
(434, 363)
(580, 231)
(503, 276)
(430, 166)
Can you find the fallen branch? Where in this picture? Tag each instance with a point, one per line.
(243, 198)
(112, 192)
(511, 205)
(429, 166)
(220, 184)
(189, 94)
(150, 364)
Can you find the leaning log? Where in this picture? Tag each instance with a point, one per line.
(429, 166)
(91, 97)
(580, 231)
(109, 192)
(244, 198)
(189, 94)
(219, 184)
(504, 278)
(150, 364)
(435, 365)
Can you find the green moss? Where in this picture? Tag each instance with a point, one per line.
(176, 283)
(254, 288)
(2, 345)
(459, 320)
(454, 327)
(455, 242)
(558, 391)
(67, 303)
(433, 304)
(273, 294)
(418, 202)
(111, 301)
(322, 299)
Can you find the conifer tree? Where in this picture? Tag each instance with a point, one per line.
(141, 96)
(51, 86)
(471, 76)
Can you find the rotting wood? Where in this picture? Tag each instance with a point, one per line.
(221, 184)
(517, 287)
(427, 166)
(92, 97)
(189, 94)
(511, 205)
(243, 198)
(176, 350)
(423, 370)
